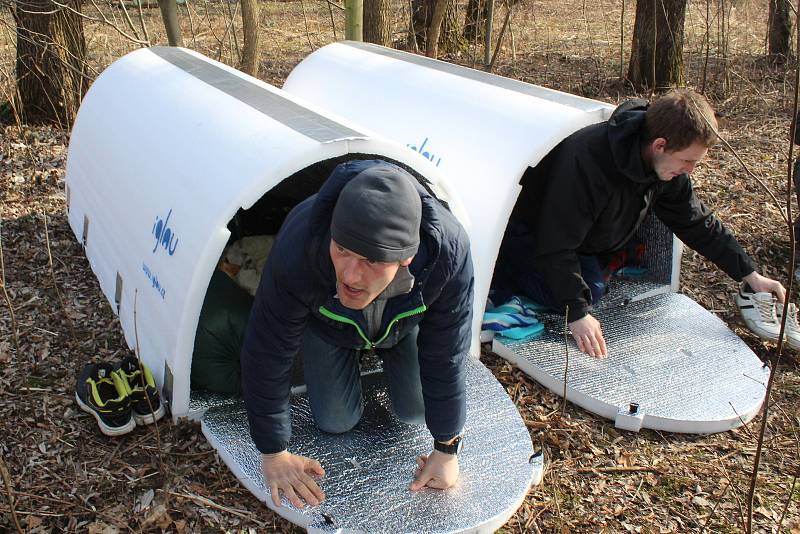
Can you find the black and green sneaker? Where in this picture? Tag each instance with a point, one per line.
(101, 392)
(141, 386)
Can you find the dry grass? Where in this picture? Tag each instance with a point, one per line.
(65, 476)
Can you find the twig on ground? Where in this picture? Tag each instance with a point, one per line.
(632, 469)
(786, 504)
(714, 509)
(208, 502)
(9, 493)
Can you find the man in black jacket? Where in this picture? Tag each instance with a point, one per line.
(372, 262)
(590, 194)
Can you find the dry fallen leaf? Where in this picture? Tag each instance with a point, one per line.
(98, 527)
(158, 516)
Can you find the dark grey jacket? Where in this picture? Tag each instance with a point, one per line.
(296, 292)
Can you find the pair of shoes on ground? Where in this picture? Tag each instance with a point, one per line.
(763, 317)
(119, 396)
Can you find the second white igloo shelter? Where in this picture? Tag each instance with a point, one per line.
(673, 365)
(167, 149)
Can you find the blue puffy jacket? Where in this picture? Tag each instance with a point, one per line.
(296, 292)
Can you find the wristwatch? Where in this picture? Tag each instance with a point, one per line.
(452, 448)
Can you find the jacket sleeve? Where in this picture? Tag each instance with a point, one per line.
(444, 339)
(569, 209)
(271, 342)
(694, 224)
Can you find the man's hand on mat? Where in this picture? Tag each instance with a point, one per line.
(589, 336)
(293, 475)
(437, 470)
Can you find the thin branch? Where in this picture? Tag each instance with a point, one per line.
(566, 360)
(162, 465)
(141, 20)
(14, 327)
(9, 492)
(509, 7)
(191, 24)
(53, 278)
(305, 21)
(774, 371)
(786, 504)
(330, 11)
(714, 509)
(204, 501)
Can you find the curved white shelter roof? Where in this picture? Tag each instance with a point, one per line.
(484, 132)
(167, 146)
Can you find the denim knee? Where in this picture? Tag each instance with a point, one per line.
(409, 415)
(337, 421)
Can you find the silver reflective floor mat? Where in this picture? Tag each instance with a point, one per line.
(368, 469)
(672, 366)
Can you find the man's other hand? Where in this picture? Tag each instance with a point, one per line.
(292, 474)
(437, 470)
(762, 284)
(589, 336)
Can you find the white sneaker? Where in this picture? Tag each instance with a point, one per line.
(792, 331)
(758, 312)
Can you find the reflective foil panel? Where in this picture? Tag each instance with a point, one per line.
(680, 364)
(368, 469)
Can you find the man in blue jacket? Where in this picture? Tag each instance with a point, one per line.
(373, 262)
(588, 197)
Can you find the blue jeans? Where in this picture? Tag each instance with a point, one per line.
(333, 380)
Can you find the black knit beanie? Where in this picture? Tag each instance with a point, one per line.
(377, 215)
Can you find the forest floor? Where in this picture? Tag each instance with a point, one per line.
(67, 477)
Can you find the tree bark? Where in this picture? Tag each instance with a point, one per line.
(475, 19)
(251, 47)
(354, 20)
(378, 22)
(450, 39)
(779, 31)
(657, 51)
(51, 54)
(432, 46)
(169, 13)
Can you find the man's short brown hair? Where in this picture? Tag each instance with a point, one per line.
(682, 117)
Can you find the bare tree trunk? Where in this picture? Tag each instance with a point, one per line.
(657, 51)
(450, 39)
(779, 31)
(169, 13)
(378, 22)
(432, 46)
(51, 53)
(251, 47)
(475, 19)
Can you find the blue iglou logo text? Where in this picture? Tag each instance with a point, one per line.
(427, 154)
(164, 235)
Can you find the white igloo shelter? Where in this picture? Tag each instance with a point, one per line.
(167, 149)
(673, 365)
